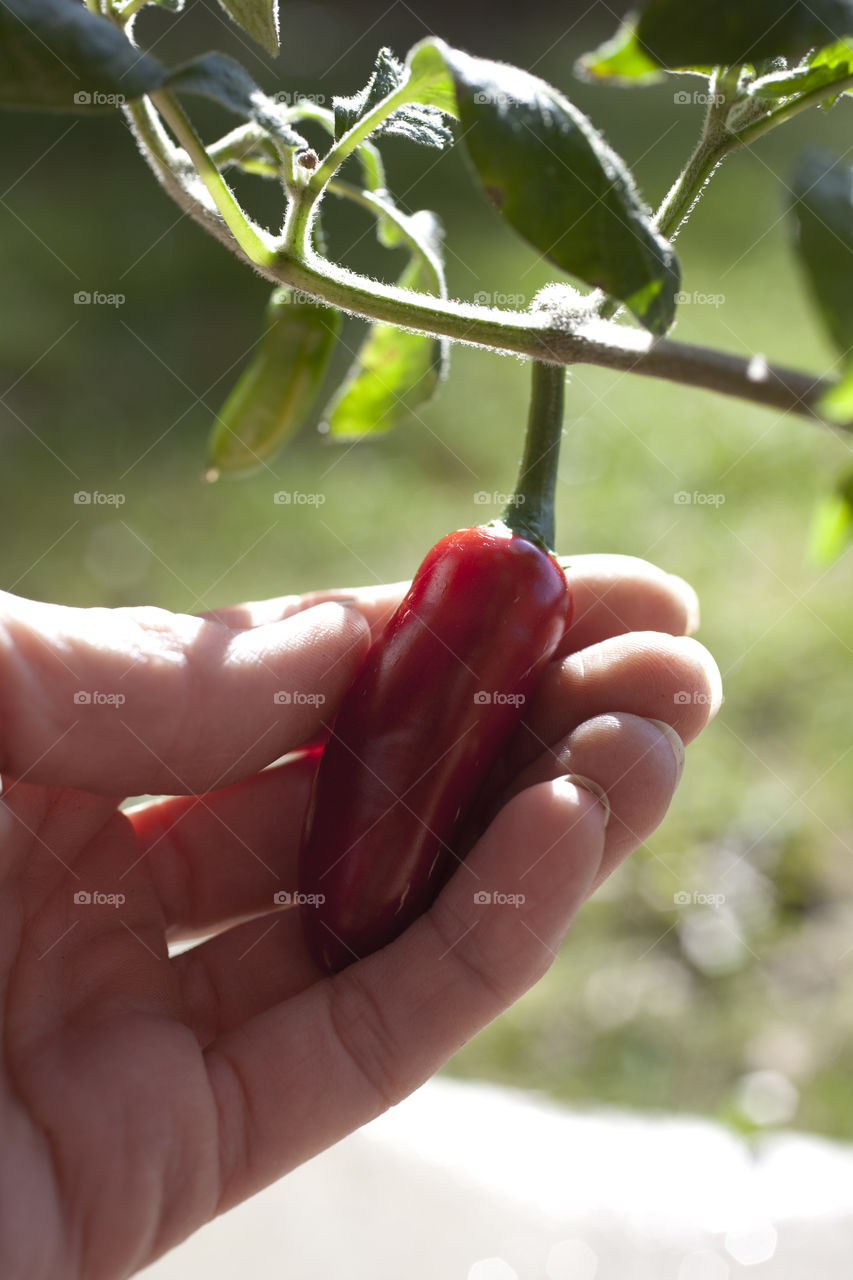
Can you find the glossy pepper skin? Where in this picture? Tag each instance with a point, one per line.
(436, 699)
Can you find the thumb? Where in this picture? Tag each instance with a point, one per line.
(142, 701)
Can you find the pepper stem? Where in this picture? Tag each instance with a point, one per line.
(530, 511)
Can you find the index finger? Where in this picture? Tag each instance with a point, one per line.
(612, 595)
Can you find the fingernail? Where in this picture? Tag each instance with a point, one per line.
(691, 604)
(676, 744)
(587, 784)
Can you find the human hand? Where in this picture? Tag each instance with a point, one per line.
(142, 1094)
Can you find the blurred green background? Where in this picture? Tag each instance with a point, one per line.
(742, 1010)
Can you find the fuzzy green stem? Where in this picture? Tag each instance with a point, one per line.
(530, 511)
(300, 215)
(379, 209)
(792, 108)
(246, 234)
(126, 11)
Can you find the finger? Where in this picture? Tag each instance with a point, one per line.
(376, 604)
(135, 701)
(612, 594)
(635, 763)
(217, 858)
(362, 1041)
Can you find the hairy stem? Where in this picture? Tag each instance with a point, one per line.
(246, 234)
(530, 512)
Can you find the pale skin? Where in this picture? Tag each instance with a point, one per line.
(143, 1095)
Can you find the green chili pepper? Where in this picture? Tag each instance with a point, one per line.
(274, 395)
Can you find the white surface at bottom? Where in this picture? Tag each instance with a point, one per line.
(473, 1182)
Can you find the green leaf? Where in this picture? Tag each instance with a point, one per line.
(734, 32)
(394, 373)
(836, 405)
(429, 78)
(55, 55)
(274, 395)
(621, 59)
(562, 188)
(417, 121)
(215, 75)
(822, 209)
(823, 67)
(258, 18)
(832, 523)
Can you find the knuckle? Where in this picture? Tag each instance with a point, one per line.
(362, 1029)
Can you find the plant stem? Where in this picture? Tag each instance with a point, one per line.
(558, 340)
(126, 11)
(300, 214)
(530, 511)
(792, 108)
(247, 235)
(380, 209)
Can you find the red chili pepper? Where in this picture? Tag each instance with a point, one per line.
(436, 700)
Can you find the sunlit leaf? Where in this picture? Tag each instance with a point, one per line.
(258, 18)
(394, 373)
(621, 59)
(559, 184)
(832, 524)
